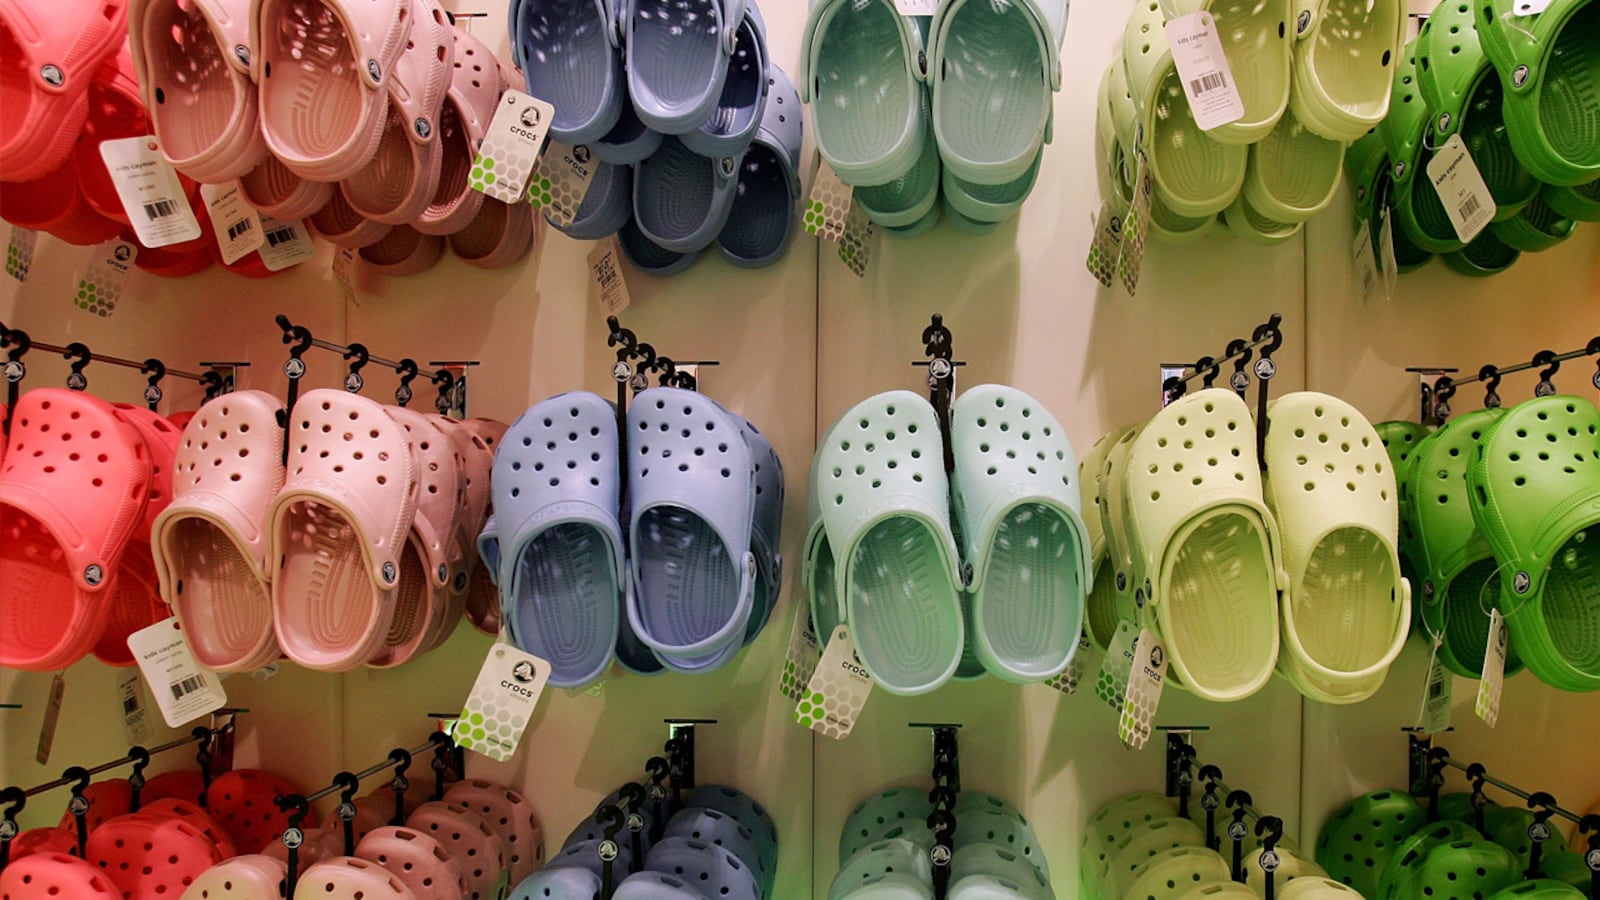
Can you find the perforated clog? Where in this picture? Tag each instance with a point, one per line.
(875, 815)
(1405, 859)
(1100, 610)
(742, 98)
(708, 826)
(897, 859)
(712, 869)
(606, 207)
(466, 837)
(59, 839)
(349, 878)
(483, 597)
(67, 516)
(498, 236)
(1535, 229)
(1465, 868)
(195, 816)
(649, 257)
(981, 871)
(240, 802)
(766, 528)
(53, 52)
(417, 860)
(472, 502)
(42, 875)
(1003, 829)
(1293, 172)
(747, 810)
(338, 530)
(1357, 841)
(403, 251)
(249, 877)
(1344, 56)
(54, 203)
(272, 190)
(761, 221)
(682, 200)
(1311, 887)
(338, 223)
(585, 855)
(570, 53)
(148, 857)
(1183, 868)
(476, 83)
(137, 602)
(508, 814)
(1256, 41)
(558, 883)
(1130, 860)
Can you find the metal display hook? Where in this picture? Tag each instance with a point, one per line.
(78, 806)
(358, 357)
(1546, 385)
(141, 761)
(408, 373)
(1270, 830)
(946, 773)
(15, 802)
(1490, 375)
(17, 344)
(1210, 801)
(1475, 774)
(1590, 825)
(156, 371)
(938, 345)
(1547, 361)
(1238, 801)
(1242, 353)
(79, 357)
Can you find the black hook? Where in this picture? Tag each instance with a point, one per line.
(1490, 376)
(298, 808)
(358, 356)
(936, 338)
(79, 353)
(1593, 349)
(1174, 387)
(141, 761)
(1238, 801)
(401, 757)
(1547, 358)
(1210, 801)
(402, 395)
(942, 797)
(1543, 805)
(15, 801)
(348, 784)
(1270, 830)
(442, 763)
(445, 381)
(1443, 389)
(1242, 353)
(212, 382)
(156, 370)
(201, 735)
(622, 338)
(1476, 774)
(78, 806)
(658, 768)
(1209, 366)
(17, 340)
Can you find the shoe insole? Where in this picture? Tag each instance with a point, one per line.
(134, 603)
(1571, 602)
(329, 595)
(1344, 606)
(908, 197)
(674, 192)
(312, 100)
(903, 608)
(688, 587)
(1100, 608)
(410, 604)
(1567, 109)
(759, 221)
(1484, 132)
(563, 600)
(1192, 170)
(1295, 167)
(388, 181)
(1254, 43)
(1354, 53)
(568, 59)
(1220, 604)
(484, 233)
(1466, 602)
(38, 608)
(224, 609)
(184, 59)
(862, 98)
(674, 46)
(741, 90)
(991, 100)
(1029, 608)
(455, 163)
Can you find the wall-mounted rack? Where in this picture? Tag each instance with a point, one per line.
(1436, 398)
(452, 387)
(1181, 771)
(1265, 339)
(635, 362)
(938, 344)
(946, 790)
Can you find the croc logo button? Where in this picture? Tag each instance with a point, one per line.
(354, 383)
(940, 855)
(1302, 23)
(388, 573)
(52, 75)
(242, 53)
(1266, 368)
(1521, 582)
(346, 811)
(422, 127)
(293, 838)
(78, 805)
(1519, 76)
(8, 830)
(294, 368)
(93, 575)
(374, 71)
(444, 572)
(1157, 657)
(608, 850)
(1269, 860)
(1592, 859)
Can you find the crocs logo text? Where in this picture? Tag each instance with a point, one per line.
(855, 669)
(517, 689)
(524, 133)
(52, 75)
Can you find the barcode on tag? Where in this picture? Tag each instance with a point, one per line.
(153, 197)
(164, 659)
(1461, 189)
(279, 236)
(187, 686)
(1208, 82)
(1469, 207)
(1203, 65)
(238, 228)
(160, 209)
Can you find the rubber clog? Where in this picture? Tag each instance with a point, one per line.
(1543, 889)
(1144, 845)
(628, 142)
(708, 826)
(1164, 225)
(403, 251)
(862, 70)
(1358, 840)
(606, 207)
(466, 837)
(483, 598)
(338, 530)
(1581, 202)
(747, 811)
(766, 530)
(347, 878)
(1293, 173)
(649, 257)
(677, 56)
(1109, 829)
(500, 235)
(272, 190)
(54, 53)
(682, 200)
(1118, 604)
(249, 877)
(1405, 860)
(53, 203)
(1418, 210)
(992, 122)
(1003, 831)
(741, 106)
(991, 872)
(570, 53)
(1535, 229)
(986, 202)
(1330, 485)
(1206, 551)
(906, 200)
(1256, 40)
(56, 874)
(476, 83)
(1368, 165)
(1486, 255)
(887, 521)
(1185, 867)
(146, 856)
(1099, 606)
(1015, 489)
(1464, 868)
(1344, 57)
(1245, 221)
(897, 859)
(472, 501)
(417, 860)
(235, 800)
(1508, 827)
(339, 224)
(1311, 887)
(508, 814)
(714, 870)
(761, 221)
(874, 816)
(558, 883)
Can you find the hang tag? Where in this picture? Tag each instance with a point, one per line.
(135, 713)
(502, 702)
(511, 147)
(19, 252)
(1143, 697)
(344, 270)
(288, 243)
(854, 249)
(1437, 694)
(1106, 246)
(183, 690)
(1494, 670)
(1461, 189)
(828, 207)
(236, 223)
(1111, 684)
(1531, 7)
(101, 285)
(837, 690)
(150, 192)
(1386, 262)
(1136, 227)
(561, 181)
(800, 662)
(605, 271)
(916, 7)
(1366, 260)
(1203, 69)
(52, 717)
(1067, 682)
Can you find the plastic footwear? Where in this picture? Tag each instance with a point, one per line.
(172, 808)
(240, 802)
(346, 877)
(1115, 603)
(465, 836)
(761, 220)
(338, 530)
(1535, 229)
(54, 203)
(137, 602)
(747, 812)
(907, 200)
(1143, 846)
(115, 112)
(1581, 202)
(1312, 887)
(1109, 828)
(1015, 488)
(275, 191)
(888, 526)
(1245, 221)
(56, 874)
(713, 870)
(193, 63)
(1549, 570)
(417, 861)
(1367, 163)
(874, 816)
(1003, 831)
(1256, 39)
(1464, 96)
(1188, 866)
(992, 872)
(53, 54)
(1344, 58)
(1293, 173)
(1460, 577)
(677, 59)
(483, 598)
(1547, 63)
(399, 182)
(605, 208)
(1470, 866)
(339, 224)
(862, 68)
(1418, 211)
(430, 560)
(1330, 486)
(1099, 607)
(1357, 841)
(561, 569)
(475, 86)
(569, 52)
(148, 857)
(1165, 225)
(711, 827)
(992, 121)
(1407, 855)
(508, 814)
(253, 876)
(1194, 175)
(1543, 889)
(741, 105)
(963, 222)
(1400, 440)
(107, 799)
(919, 227)
(681, 200)
(558, 883)
(766, 530)
(323, 69)
(628, 142)
(989, 202)
(403, 251)
(1487, 255)
(67, 519)
(585, 856)
(1508, 827)
(904, 863)
(498, 236)
(1205, 548)
(649, 257)
(476, 460)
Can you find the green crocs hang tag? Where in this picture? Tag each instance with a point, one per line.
(1487, 706)
(1136, 227)
(101, 285)
(1111, 684)
(1082, 661)
(838, 689)
(1106, 246)
(561, 180)
(854, 250)
(1437, 694)
(827, 210)
(511, 147)
(502, 702)
(1147, 676)
(800, 661)
(1461, 189)
(19, 252)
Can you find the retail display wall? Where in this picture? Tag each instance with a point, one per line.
(798, 344)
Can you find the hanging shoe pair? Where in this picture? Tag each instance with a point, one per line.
(881, 556)
(696, 576)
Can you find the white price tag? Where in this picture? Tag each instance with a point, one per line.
(135, 713)
(236, 223)
(800, 662)
(286, 243)
(150, 192)
(605, 270)
(1487, 705)
(837, 691)
(828, 207)
(561, 181)
(1386, 262)
(502, 702)
(101, 285)
(1437, 694)
(183, 690)
(511, 147)
(1145, 680)
(1461, 188)
(19, 252)
(1366, 260)
(1531, 7)
(1069, 679)
(916, 7)
(1111, 684)
(1203, 69)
